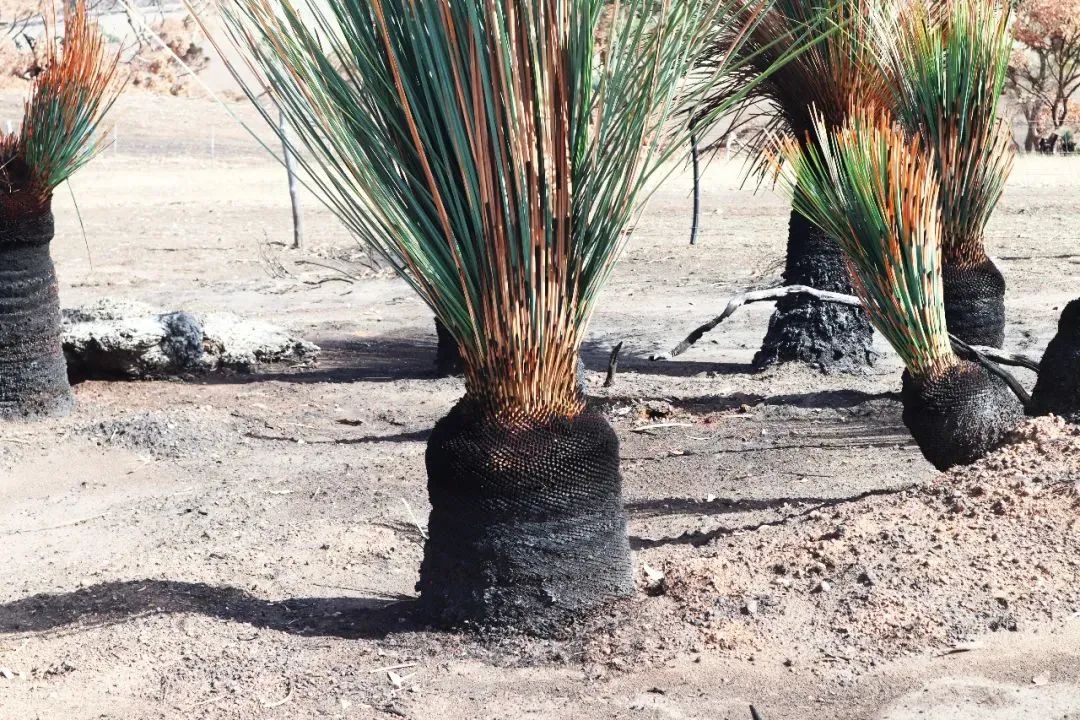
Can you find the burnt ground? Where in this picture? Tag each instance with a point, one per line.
(244, 546)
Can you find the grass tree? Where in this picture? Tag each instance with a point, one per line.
(875, 188)
(946, 65)
(1057, 390)
(495, 152)
(823, 79)
(68, 99)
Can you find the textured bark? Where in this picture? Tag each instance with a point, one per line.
(831, 337)
(33, 374)
(975, 303)
(1057, 390)
(961, 416)
(527, 529)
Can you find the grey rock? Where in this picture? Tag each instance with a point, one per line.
(119, 338)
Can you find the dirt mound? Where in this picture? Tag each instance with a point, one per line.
(990, 547)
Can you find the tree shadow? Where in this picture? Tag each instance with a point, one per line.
(822, 400)
(805, 506)
(661, 507)
(597, 355)
(374, 359)
(114, 602)
(401, 437)
(399, 357)
(830, 399)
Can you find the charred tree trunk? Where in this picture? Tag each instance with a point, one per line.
(1057, 390)
(975, 302)
(33, 374)
(447, 353)
(527, 529)
(959, 416)
(804, 329)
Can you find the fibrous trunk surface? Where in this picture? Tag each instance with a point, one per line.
(960, 415)
(527, 529)
(975, 302)
(33, 374)
(826, 335)
(1057, 390)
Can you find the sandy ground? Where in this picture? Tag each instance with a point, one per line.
(244, 546)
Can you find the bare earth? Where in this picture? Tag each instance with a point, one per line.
(244, 546)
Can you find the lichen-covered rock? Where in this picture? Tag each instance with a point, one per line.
(120, 338)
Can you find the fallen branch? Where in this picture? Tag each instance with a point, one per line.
(752, 297)
(1003, 357)
(988, 357)
(613, 365)
(994, 369)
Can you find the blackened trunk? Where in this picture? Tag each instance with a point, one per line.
(1057, 390)
(975, 303)
(829, 336)
(527, 529)
(447, 353)
(33, 374)
(960, 416)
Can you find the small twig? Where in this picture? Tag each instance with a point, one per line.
(208, 701)
(754, 714)
(613, 365)
(412, 516)
(282, 701)
(56, 527)
(399, 666)
(323, 281)
(78, 214)
(657, 426)
(328, 267)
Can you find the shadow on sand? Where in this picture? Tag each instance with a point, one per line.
(802, 507)
(371, 359)
(114, 602)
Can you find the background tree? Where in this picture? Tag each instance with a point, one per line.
(1057, 389)
(1044, 73)
(803, 328)
(946, 65)
(874, 187)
